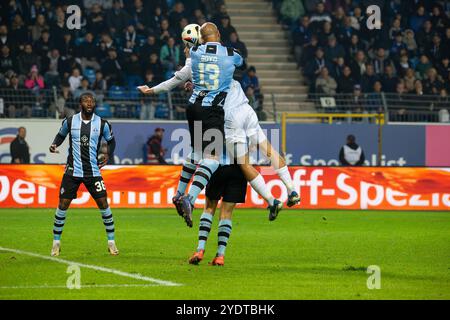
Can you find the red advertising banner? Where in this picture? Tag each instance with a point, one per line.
(380, 188)
(437, 151)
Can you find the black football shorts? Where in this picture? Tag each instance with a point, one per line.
(212, 117)
(70, 185)
(227, 183)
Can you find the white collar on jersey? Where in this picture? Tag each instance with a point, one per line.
(211, 42)
(86, 121)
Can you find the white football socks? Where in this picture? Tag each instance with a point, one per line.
(259, 185)
(285, 176)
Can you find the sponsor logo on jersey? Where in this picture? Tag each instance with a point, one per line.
(84, 141)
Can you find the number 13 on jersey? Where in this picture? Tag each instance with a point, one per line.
(209, 75)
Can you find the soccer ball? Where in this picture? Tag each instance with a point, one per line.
(191, 35)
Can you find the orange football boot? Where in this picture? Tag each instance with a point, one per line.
(197, 257)
(217, 261)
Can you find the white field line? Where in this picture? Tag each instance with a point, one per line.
(98, 268)
(83, 286)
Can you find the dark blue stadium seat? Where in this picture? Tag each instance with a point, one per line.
(133, 94)
(79, 41)
(140, 40)
(117, 93)
(137, 111)
(123, 111)
(103, 110)
(89, 73)
(162, 111)
(38, 111)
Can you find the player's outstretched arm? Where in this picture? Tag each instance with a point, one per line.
(60, 137)
(163, 86)
(180, 77)
(146, 90)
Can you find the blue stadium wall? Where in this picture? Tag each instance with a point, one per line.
(307, 144)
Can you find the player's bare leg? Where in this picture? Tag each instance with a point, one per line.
(108, 221)
(259, 185)
(203, 230)
(224, 232)
(60, 218)
(279, 164)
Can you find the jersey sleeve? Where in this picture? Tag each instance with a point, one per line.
(237, 59)
(62, 133)
(107, 132)
(185, 73)
(180, 77)
(64, 130)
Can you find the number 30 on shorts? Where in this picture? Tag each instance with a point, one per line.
(100, 186)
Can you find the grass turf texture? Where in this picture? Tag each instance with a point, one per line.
(301, 255)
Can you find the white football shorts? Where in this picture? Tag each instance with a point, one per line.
(242, 123)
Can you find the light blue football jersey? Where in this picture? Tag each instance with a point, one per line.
(213, 67)
(85, 142)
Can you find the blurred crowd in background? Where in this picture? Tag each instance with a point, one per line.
(120, 45)
(339, 54)
(123, 44)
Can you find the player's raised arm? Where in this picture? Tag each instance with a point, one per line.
(60, 137)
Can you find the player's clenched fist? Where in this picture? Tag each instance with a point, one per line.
(102, 160)
(146, 89)
(53, 149)
(188, 86)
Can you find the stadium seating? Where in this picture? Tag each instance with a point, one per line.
(117, 93)
(279, 47)
(38, 111)
(89, 73)
(104, 110)
(162, 111)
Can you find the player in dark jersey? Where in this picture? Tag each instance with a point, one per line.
(85, 130)
(229, 184)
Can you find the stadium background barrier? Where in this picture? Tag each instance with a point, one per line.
(396, 107)
(377, 118)
(380, 188)
(119, 103)
(307, 144)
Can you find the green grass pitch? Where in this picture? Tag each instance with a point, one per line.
(301, 255)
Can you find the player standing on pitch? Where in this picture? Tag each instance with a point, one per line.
(229, 184)
(85, 130)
